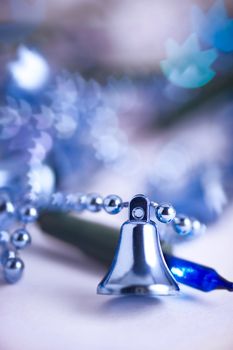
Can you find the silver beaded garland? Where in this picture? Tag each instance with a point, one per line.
(165, 213)
(112, 204)
(94, 202)
(20, 238)
(13, 266)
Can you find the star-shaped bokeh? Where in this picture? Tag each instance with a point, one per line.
(187, 65)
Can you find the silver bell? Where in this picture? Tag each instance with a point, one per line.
(138, 267)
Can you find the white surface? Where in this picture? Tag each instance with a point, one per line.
(55, 305)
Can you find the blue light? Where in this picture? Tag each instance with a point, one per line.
(187, 65)
(30, 71)
(177, 271)
(196, 276)
(214, 27)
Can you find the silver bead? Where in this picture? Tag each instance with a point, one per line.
(28, 214)
(182, 225)
(13, 269)
(165, 213)
(94, 202)
(197, 227)
(20, 238)
(4, 237)
(112, 204)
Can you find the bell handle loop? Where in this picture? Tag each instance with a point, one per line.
(139, 209)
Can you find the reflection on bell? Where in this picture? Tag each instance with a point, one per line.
(138, 267)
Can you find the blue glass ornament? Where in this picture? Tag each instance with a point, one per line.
(197, 276)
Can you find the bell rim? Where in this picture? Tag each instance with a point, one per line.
(140, 290)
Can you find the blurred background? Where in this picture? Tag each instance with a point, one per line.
(138, 93)
(119, 97)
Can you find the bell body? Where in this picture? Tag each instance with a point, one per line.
(138, 266)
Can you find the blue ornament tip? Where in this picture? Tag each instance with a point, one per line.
(197, 276)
